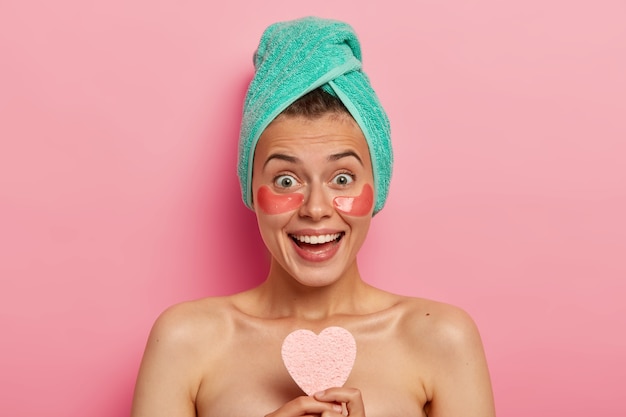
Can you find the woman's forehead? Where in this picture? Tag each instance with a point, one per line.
(324, 135)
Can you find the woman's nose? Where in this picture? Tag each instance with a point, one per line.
(317, 203)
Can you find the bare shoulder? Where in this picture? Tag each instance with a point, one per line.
(438, 325)
(447, 342)
(178, 348)
(187, 324)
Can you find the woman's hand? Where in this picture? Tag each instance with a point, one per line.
(324, 404)
(307, 406)
(351, 397)
(327, 403)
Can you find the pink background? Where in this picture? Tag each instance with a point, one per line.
(118, 193)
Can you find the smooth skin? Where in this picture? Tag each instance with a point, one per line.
(220, 356)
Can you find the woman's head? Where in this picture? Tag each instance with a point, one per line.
(309, 68)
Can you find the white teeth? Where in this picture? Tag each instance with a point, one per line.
(317, 240)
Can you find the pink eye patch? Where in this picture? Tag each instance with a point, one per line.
(318, 362)
(356, 206)
(272, 203)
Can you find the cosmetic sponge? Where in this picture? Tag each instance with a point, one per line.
(318, 362)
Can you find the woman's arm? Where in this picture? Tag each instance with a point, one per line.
(461, 384)
(168, 382)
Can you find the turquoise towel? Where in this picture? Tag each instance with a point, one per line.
(296, 57)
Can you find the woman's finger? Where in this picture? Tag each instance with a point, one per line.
(305, 406)
(350, 396)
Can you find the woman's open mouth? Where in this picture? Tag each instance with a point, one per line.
(317, 247)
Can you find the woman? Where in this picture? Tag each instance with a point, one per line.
(315, 163)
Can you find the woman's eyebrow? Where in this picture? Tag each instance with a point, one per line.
(338, 156)
(282, 157)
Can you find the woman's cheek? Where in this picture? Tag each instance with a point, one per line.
(360, 205)
(272, 203)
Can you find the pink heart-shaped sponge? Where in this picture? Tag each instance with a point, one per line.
(318, 362)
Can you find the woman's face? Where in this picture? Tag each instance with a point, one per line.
(312, 186)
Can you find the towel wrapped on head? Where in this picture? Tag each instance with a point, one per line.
(296, 57)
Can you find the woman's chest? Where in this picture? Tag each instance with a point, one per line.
(252, 380)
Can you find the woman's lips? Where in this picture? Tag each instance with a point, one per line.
(316, 247)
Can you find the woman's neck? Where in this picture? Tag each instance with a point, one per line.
(282, 295)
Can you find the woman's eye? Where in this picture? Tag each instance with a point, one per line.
(343, 179)
(285, 181)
